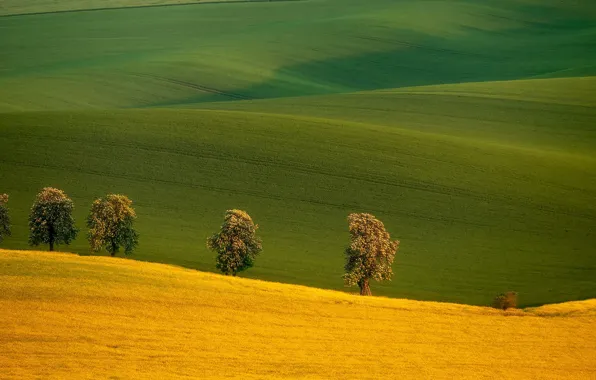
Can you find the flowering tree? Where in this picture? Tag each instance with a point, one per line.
(370, 254)
(110, 224)
(51, 221)
(4, 217)
(236, 244)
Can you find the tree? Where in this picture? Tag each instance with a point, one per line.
(4, 217)
(51, 221)
(110, 225)
(505, 301)
(236, 244)
(370, 254)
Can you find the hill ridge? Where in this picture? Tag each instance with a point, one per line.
(572, 308)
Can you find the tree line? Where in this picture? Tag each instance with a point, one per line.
(111, 220)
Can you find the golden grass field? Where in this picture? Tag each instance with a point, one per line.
(67, 316)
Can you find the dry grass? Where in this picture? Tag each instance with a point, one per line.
(94, 317)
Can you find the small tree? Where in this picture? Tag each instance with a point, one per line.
(4, 217)
(51, 221)
(236, 244)
(110, 225)
(505, 301)
(370, 254)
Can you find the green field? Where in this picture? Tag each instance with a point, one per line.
(468, 127)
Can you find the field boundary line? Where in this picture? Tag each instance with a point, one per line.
(146, 6)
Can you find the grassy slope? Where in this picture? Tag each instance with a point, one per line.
(171, 55)
(497, 196)
(475, 215)
(94, 317)
(554, 114)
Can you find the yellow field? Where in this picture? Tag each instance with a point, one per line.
(65, 316)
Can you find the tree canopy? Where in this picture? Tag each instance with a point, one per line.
(110, 224)
(236, 244)
(51, 221)
(370, 254)
(4, 217)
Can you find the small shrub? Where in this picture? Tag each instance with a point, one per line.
(505, 301)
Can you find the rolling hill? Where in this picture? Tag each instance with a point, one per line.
(156, 56)
(97, 317)
(466, 126)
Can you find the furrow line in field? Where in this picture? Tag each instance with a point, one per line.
(268, 195)
(194, 86)
(417, 46)
(580, 109)
(301, 167)
(244, 192)
(417, 185)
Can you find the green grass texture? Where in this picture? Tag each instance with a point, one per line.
(159, 56)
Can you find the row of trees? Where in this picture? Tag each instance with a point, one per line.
(110, 221)
(369, 256)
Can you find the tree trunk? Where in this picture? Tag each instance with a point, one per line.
(113, 251)
(364, 287)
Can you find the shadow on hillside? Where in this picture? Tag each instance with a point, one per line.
(402, 58)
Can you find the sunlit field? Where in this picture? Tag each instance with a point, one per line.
(96, 317)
